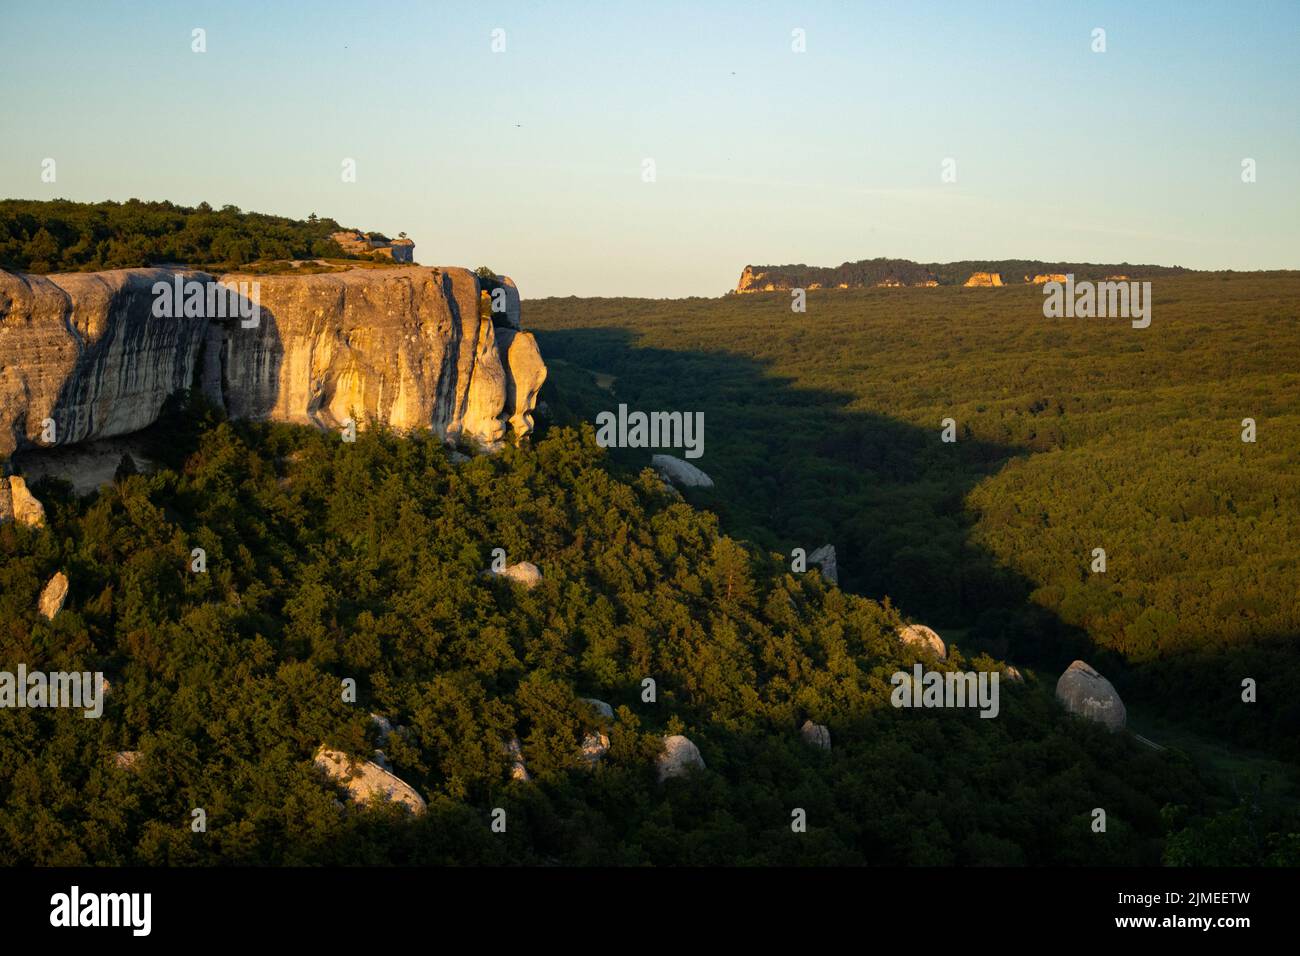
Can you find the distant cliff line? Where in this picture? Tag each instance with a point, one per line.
(889, 273)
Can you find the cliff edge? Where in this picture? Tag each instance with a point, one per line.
(86, 355)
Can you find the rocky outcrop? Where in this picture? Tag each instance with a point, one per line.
(17, 503)
(126, 759)
(596, 743)
(366, 781)
(816, 735)
(509, 296)
(1081, 690)
(383, 728)
(525, 573)
(84, 351)
(403, 346)
(53, 596)
(594, 746)
(919, 635)
(751, 281)
(1043, 279)
(824, 558)
(679, 758)
(680, 472)
(525, 374)
(87, 467)
(984, 279)
(354, 242)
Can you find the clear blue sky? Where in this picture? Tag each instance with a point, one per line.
(529, 161)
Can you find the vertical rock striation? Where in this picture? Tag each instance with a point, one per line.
(402, 346)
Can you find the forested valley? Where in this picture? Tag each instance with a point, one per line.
(329, 560)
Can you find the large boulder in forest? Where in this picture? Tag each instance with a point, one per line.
(367, 781)
(525, 573)
(126, 759)
(824, 558)
(52, 598)
(921, 636)
(18, 504)
(679, 757)
(1081, 690)
(680, 472)
(816, 735)
(595, 746)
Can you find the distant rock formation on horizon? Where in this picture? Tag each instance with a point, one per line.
(900, 273)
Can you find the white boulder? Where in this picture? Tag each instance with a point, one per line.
(922, 636)
(824, 558)
(679, 757)
(366, 781)
(816, 735)
(53, 596)
(680, 472)
(1081, 690)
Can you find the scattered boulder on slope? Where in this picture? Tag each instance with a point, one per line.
(126, 759)
(919, 634)
(681, 472)
(824, 558)
(1081, 690)
(525, 573)
(1012, 673)
(383, 727)
(55, 593)
(367, 781)
(595, 746)
(518, 771)
(680, 756)
(18, 504)
(815, 735)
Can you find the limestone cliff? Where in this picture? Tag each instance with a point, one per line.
(403, 346)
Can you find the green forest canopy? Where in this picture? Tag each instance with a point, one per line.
(329, 559)
(824, 427)
(63, 236)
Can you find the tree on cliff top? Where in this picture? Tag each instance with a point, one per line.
(64, 236)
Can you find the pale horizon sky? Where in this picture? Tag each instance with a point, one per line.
(530, 160)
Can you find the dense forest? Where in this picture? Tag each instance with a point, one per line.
(1072, 435)
(871, 272)
(64, 236)
(329, 560)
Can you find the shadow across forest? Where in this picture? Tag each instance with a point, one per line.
(797, 467)
(800, 467)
